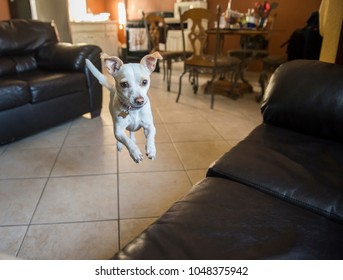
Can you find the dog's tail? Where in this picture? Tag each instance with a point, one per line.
(103, 80)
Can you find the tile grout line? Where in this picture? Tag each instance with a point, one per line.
(43, 190)
(4, 150)
(174, 146)
(118, 191)
(118, 200)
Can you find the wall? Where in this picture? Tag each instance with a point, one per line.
(135, 7)
(96, 6)
(4, 10)
(104, 6)
(46, 11)
(108, 6)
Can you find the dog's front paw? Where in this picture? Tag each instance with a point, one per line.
(136, 155)
(151, 152)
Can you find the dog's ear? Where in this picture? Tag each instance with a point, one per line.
(112, 63)
(149, 61)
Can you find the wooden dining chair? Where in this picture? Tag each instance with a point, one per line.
(200, 19)
(157, 29)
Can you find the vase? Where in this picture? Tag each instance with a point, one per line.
(262, 23)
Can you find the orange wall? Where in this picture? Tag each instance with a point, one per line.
(103, 6)
(112, 8)
(96, 6)
(134, 7)
(4, 11)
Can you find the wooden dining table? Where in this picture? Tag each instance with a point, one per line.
(245, 86)
(240, 31)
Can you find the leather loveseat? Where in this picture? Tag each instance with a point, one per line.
(43, 82)
(278, 194)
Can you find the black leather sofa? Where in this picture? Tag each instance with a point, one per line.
(278, 194)
(43, 82)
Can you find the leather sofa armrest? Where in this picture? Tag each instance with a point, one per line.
(66, 56)
(306, 96)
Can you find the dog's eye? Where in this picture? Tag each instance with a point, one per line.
(144, 82)
(124, 84)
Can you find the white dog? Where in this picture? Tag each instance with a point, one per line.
(129, 103)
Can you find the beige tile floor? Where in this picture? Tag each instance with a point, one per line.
(66, 193)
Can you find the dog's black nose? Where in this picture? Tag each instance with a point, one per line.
(139, 100)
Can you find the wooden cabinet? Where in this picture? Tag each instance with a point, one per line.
(103, 34)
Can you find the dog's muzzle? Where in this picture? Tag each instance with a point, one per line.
(139, 101)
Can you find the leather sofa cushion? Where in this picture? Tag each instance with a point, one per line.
(7, 66)
(20, 36)
(306, 96)
(12, 65)
(299, 168)
(222, 219)
(13, 93)
(24, 63)
(64, 56)
(44, 85)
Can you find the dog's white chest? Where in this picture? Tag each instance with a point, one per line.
(132, 120)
